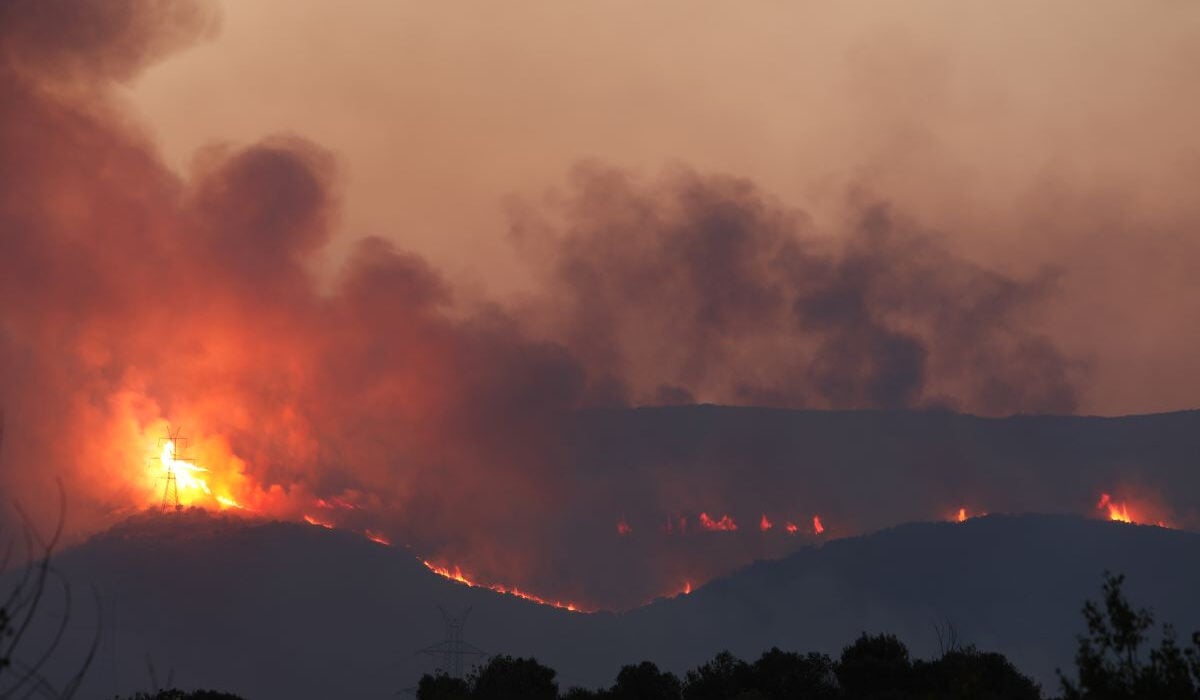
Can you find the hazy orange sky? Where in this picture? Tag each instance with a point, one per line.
(1028, 133)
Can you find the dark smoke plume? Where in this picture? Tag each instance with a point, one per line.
(132, 296)
(703, 287)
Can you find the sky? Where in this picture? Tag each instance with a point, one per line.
(1027, 136)
(375, 257)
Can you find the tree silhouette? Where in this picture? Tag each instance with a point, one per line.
(781, 674)
(442, 687)
(509, 678)
(1110, 662)
(875, 668)
(725, 677)
(645, 682)
(970, 673)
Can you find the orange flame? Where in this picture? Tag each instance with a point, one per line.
(319, 523)
(961, 516)
(764, 524)
(460, 577)
(1116, 512)
(818, 528)
(687, 587)
(725, 524)
(791, 528)
(379, 537)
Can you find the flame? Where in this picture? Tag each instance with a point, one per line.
(319, 523)
(623, 527)
(818, 528)
(1117, 512)
(791, 528)
(764, 524)
(725, 524)
(375, 536)
(227, 502)
(961, 516)
(185, 472)
(457, 575)
(687, 587)
(336, 502)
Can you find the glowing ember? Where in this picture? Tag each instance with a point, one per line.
(818, 528)
(725, 524)
(764, 524)
(377, 537)
(457, 575)
(320, 523)
(791, 528)
(623, 527)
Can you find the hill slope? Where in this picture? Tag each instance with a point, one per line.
(274, 610)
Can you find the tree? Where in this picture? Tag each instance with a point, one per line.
(722, 678)
(782, 675)
(508, 678)
(645, 682)
(21, 667)
(970, 673)
(1110, 662)
(875, 668)
(442, 686)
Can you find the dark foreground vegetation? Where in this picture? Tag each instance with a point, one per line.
(1114, 661)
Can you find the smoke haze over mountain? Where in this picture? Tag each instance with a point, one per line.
(329, 366)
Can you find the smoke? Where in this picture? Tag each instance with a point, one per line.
(133, 297)
(695, 287)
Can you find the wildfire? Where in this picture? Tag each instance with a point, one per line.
(375, 536)
(228, 502)
(764, 524)
(623, 527)
(961, 516)
(319, 523)
(185, 472)
(818, 528)
(725, 524)
(1117, 512)
(791, 528)
(687, 587)
(457, 575)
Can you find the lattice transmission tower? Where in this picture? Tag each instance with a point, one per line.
(452, 651)
(170, 498)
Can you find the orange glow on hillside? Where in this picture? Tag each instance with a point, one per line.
(377, 537)
(456, 574)
(1122, 513)
(791, 528)
(818, 528)
(319, 523)
(961, 516)
(764, 524)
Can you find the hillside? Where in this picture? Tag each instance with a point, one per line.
(274, 610)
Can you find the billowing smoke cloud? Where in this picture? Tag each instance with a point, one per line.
(132, 297)
(704, 287)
